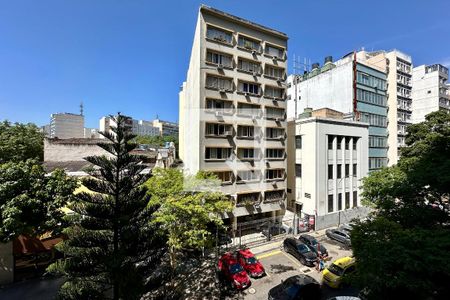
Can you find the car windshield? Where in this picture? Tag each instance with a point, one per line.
(251, 260)
(336, 270)
(302, 248)
(236, 268)
(313, 242)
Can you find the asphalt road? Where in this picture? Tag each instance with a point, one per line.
(34, 289)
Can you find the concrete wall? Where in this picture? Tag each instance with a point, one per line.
(58, 151)
(66, 126)
(6, 263)
(345, 216)
(425, 93)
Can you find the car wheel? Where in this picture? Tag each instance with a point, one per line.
(286, 249)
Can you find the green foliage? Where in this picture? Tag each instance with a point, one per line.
(187, 206)
(19, 142)
(403, 251)
(113, 244)
(155, 140)
(30, 201)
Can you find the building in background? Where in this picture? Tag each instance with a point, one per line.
(232, 112)
(91, 133)
(352, 85)
(66, 125)
(327, 157)
(166, 128)
(137, 127)
(430, 91)
(45, 129)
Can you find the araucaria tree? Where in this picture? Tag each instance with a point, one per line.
(112, 243)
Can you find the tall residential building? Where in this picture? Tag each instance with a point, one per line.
(138, 127)
(350, 85)
(165, 127)
(398, 67)
(66, 126)
(232, 112)
(327, 158)
(430, 91)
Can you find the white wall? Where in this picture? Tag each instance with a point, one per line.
(425, 93)
(57, 151)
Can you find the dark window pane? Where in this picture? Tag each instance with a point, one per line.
(298, 142)
(330, 142)
(355, 199)
(340, 201)
(339, 171)
(330, 203)
(330, 171)
(347, 200)
(298, 170)
(347, 170)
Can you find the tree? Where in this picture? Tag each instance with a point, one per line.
(403, 249)
(30, 201)
(20, 142)
(188, 204)
(113, 243)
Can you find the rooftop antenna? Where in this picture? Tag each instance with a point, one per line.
(81, 108)
(298, 66)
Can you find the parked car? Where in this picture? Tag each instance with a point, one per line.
(332, 276)
(339, 235)
(273, 230)
(250, 263)
(313, 244)
(233, 271)
(346, 227)
(301, 251)
(302, 287)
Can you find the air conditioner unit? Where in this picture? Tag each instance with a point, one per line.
(219, 113)
(253, 52)
(279, 80)
(222, 90)
(255, 74)
(246, 93)
(253, 117)
(219, 66)
(274, 57)
(277, 119)
(228, 132)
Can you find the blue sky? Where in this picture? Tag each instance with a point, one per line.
(132, 55)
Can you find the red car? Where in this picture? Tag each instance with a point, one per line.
(248, 260)
(233, 271)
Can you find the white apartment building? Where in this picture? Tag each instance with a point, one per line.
(138, 127)
(232, 112)
(91, 133)
(430, 91)
(66, 126)
(165, 127)
(327, 158)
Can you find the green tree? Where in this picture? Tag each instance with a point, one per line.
(188, 204)
(403, 250)
(30, 201)
(113, 244)
(19, 142)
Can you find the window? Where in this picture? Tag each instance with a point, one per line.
(298, 170)
(247, 87)
(347, 200)
(248, 175)
(330, 203)
(274, 72)
(248, 66)
(274, 174)
(377, 141)
(220, 35)
(339, 201)
(347, 143)
(355, 198)
(218, 58)
(274, 113)
(377, 162)
(247, 199)
(217, 153)
(374, 120)
(246, 131)
(330, 171)
(347, 170)
(248, 109)
(330, 142)
(274, 133)
(371, 97)
(225, 177)
(273, 196)
(219, 105)
(355, 167)
(298, 142)
(215, 129)
(220, 83)
(273, 92)
(274, 153)
(248, 43)
(339, 171)
(247, 153)
(274, 51)
(339, 142)
(355, 141)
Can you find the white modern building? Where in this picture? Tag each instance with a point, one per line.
(430, 91)
(91, 133)
(166, 128)
(327, 158)
(352, 85)
(232, 112)
(66, 126)
(138, 127)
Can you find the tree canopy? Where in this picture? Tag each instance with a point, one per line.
(19, 142)
(403, 250)
(30, 201)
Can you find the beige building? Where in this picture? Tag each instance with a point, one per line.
(327, 158)
(66, 126)
(165, 127)
(233, 111)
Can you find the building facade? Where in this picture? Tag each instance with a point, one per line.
(166, 128)
(327, 158)
(351, 85)
(430, 91)
(137, 127)
(232, 112)
(66, 126)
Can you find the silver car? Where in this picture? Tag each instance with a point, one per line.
(339, 235)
